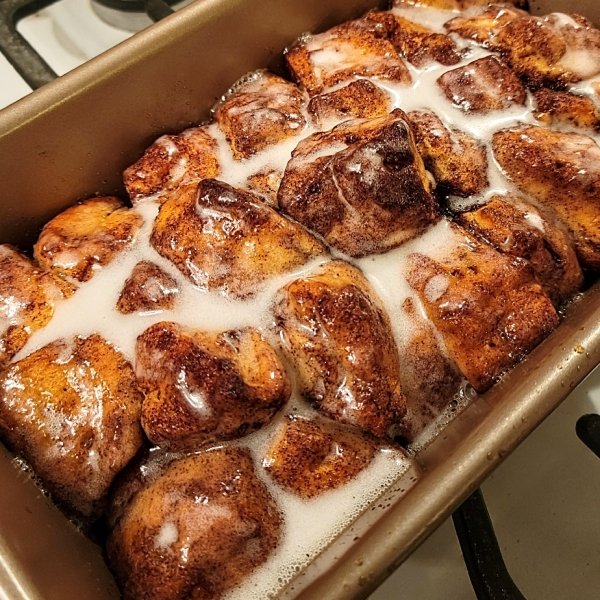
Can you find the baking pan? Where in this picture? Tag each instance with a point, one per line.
(74, 137)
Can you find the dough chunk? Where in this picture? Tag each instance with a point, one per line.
(483, 85)
(28, 296)
(172, 161)
(457, 161)
(362, 186)
(488, 307)
(202, 388)
(563, 108)
(86, 237)
(562, 172)
(339, 338)
(260, 112)
(72, 410)
(195, 530)
(310, 457)
(148, 288)
(229, 240)
(517, 228)
(345, 53)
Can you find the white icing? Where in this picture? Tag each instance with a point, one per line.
(167, 535)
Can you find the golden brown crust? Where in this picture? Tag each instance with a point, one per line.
(457, 162)
(203, 388)
(483, 85)
(27, 299)
(171, 161)
(563, 108)
(310, 457)
(360, 99)
(420, 45)
(512, 226)
(482, 28)
(196, 531)
(488, 307)
(148, 288)
(85, 237)
(455, 4)
(562, 172)
(262, 111)
(430, 380)
(383, 203)
(339, 338)
(358, 51)
(72, 410)
(229, 240)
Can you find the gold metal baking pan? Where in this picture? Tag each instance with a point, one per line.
(73, 138)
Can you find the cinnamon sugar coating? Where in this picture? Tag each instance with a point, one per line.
(196, 530)
(72, 410)
(229, 240)
(201, 388)
(339, 338)
(488, 307)
(362, 185)
(562, 172)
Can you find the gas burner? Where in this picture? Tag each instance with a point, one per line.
(134, 15)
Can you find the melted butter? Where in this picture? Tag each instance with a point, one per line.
(92, 309)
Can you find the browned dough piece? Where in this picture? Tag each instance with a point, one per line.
(488, 307)
(86, 237)
(261, 111)
(362, 185)
(202, 388)
(310, 457)
(172, 161)
(344, 53)
(339, 338)
(517, 228)
(266, 183)
(563, 108)
(482, 28)
(360, 99)
(72, 410)
(430, 380)
(483, 85)
(28, 296)
(457, 162)
(421, 45)
(229, 240)
(457, 5)
(147, 288)
(196, 530)
(562, 172)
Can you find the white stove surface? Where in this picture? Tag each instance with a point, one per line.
(544, 500)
